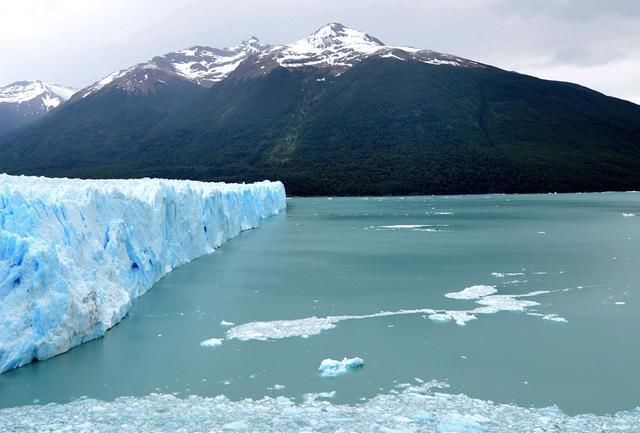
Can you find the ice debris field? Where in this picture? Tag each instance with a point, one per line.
(74, 254)
(414, 408)
(482, 295)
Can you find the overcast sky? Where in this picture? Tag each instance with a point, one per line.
(595, 43)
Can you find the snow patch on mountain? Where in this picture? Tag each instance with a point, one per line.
(74, 254)
(47, 95)
(199, 64)
(206, 66)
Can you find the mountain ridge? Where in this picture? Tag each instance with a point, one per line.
(340, 113)
(333, 47)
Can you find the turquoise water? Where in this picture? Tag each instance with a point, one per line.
(329, 257)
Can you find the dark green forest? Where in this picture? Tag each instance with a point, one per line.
(383, 127)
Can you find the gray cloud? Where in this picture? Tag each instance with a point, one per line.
(585, 56)
(593, 42)
(570, 10)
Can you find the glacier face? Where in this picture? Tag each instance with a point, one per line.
(75, 253)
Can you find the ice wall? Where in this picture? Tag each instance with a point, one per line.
(75, 253)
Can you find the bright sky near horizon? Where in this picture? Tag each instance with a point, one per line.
(595, 43)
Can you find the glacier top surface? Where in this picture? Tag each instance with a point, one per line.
(56, 189)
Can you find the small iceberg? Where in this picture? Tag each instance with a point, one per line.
(554, 318)
(211, 342)
(405, 226)
(332, 368)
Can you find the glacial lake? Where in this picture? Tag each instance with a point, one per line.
(573, 259)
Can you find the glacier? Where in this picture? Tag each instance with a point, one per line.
(74, 254)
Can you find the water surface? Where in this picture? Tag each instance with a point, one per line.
(327, 257)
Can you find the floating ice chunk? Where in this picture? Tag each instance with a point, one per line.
(276, 387)
(441, 317)
(628, 214)
(211, 342)
(225, 323)
(620, 303)
(331, 367)
(554, 318)
(460, 317)
(282, 328)
(496, 303)
(405, 226)
(277, 329)
(506, 274)
(414, 227)
(473, 292)
(313, 396)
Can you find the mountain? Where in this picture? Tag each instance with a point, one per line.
(23, 102)
(199, 65)
(337, 112)
(336, 48)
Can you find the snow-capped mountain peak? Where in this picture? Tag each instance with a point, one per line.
(337, 35)
(333, 45)
(333, 48)
(201, 65)
(250, 44)
(23, 102)
(37, 93)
